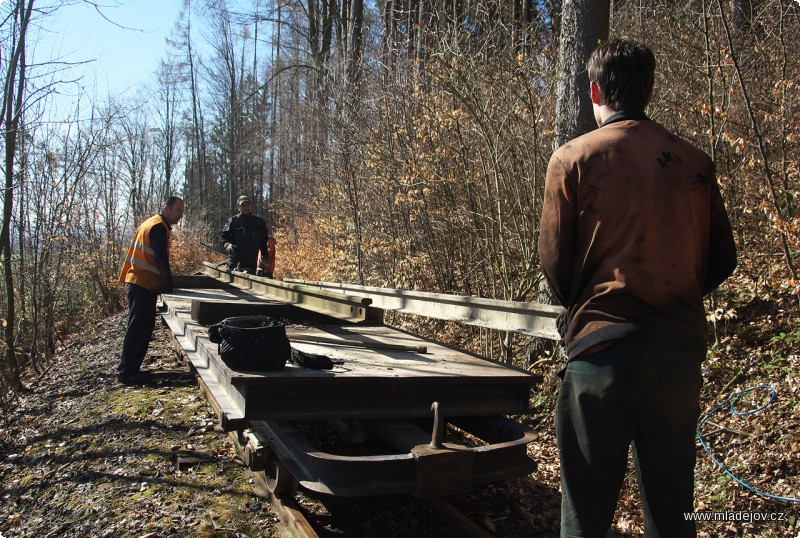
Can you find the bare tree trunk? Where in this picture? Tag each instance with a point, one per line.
(168, 86)
(276, 64)
(197, 120)
(584, 24)
(355, 38)
(758, 131)
(742, 15)
(13, 98)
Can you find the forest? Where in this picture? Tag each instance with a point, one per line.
(400, 143)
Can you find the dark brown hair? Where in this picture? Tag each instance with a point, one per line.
(170, 201)
(624, 70)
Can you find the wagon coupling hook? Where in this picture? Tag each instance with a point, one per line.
(438, 428)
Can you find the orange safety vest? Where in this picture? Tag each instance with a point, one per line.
(140, 266)
(270, 265)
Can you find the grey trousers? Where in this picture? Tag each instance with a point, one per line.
(629, 393)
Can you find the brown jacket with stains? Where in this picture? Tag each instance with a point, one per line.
(633, 234)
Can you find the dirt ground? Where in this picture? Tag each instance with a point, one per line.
(82, 455)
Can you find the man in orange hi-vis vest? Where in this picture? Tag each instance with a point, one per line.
(146, 273)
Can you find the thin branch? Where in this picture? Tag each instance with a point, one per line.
(759, 138)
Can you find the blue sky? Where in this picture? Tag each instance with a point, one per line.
(124, 50)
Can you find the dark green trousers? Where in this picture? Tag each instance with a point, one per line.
(629, 393)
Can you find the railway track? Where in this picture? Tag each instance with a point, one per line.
(272, 482)
(380, 404)
(278, 489)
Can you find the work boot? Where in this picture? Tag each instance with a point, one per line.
(134, 378)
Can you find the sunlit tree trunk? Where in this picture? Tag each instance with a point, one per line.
(584, 25)
(13, 99)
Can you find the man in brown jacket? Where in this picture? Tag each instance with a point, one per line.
(633, 234)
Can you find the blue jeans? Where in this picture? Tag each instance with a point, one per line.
(141, 322)
(629, 393)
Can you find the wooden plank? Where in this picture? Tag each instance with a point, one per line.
(210, 311)
(357, 343)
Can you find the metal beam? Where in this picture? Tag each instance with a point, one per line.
(527, 318)
(354, 309)
(229, 401)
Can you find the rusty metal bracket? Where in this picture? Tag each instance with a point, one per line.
(256, 455)
(442, 469)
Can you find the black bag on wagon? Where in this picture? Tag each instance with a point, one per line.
(252, 343)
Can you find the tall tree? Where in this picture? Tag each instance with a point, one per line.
(14, 86)
(169, 80)
(584, 24)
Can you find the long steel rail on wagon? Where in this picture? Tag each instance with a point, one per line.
(532, 319)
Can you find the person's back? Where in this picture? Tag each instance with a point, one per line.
(633, 234)
(645, 199)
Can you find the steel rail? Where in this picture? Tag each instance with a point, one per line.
(532, 319)
(291, 518)
(354, 309)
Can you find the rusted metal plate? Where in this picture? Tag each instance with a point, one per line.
(443, 471)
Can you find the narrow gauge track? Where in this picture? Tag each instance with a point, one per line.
(272, 482)
(379, 402)
(278, 489)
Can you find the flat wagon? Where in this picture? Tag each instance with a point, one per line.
(397, 413)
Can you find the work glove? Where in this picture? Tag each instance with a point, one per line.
(230, 248)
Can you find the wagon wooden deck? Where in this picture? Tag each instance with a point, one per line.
(364, 383)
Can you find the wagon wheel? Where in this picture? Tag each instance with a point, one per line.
(279, 479)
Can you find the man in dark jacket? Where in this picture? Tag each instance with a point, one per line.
(633, 234)
(243, 237)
